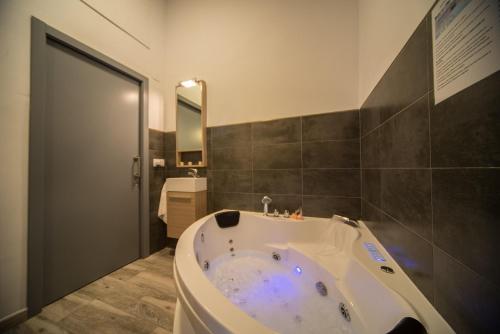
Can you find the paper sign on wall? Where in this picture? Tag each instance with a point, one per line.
(465, 44)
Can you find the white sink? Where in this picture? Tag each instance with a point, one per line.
(187, 184)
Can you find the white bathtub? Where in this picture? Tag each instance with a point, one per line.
(316, 250)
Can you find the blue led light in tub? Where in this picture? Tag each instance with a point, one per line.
(297, 270)
(374, 253)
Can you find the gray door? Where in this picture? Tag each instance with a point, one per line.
(91, 198)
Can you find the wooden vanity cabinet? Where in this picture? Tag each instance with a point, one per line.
(183, 209)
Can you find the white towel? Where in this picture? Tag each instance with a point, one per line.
(162, 208)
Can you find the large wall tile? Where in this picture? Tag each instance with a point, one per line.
(369, 113)
(281, 181)
(469, 302)
(327, 206)
(208, 134)
(465, 129)
(154, 201)
(210, 180)
(404, 82)
(280, 203)
(170, 160)
(156, 140)
(170, 141)
(404, 139)
(413, 253)
(210, 162)
(371, 186)
(331, 154)
(371, 150)
(233, 201)
(231, 158)
(333, 182)
(210, 202)
(278, 131)
(406, 196)
(231, 135)
(177, 172)
(157, 229)
(370, 214)
(337, 125)
(466, 211)
(232, 181)
(279, 156)
(154, 198)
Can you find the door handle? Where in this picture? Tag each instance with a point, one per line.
(136, 170)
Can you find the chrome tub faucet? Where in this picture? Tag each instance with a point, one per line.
(266, 200)
(347, 220)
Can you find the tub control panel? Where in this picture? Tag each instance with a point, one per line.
(373, 251)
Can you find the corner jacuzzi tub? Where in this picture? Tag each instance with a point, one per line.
(276, 275)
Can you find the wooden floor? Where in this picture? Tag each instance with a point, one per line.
(138, 298)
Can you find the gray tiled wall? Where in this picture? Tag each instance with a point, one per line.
(298, 162)
(310, 162)
(157, 229)
(430, 184)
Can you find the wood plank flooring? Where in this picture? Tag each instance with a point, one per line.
(138, 298)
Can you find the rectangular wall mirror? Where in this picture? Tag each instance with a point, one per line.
(191, 124)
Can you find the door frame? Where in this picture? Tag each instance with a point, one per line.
(40, 34)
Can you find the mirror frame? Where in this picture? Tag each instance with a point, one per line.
(204, 161)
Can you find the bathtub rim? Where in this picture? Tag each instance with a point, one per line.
(234, 319)
(216, 311)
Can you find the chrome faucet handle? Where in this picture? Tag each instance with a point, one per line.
(286, 214)
(266, 200)
(193, 172)
(276, 213)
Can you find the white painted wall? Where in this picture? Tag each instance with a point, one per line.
(263, 59)
(384, 28)
(143, 18)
